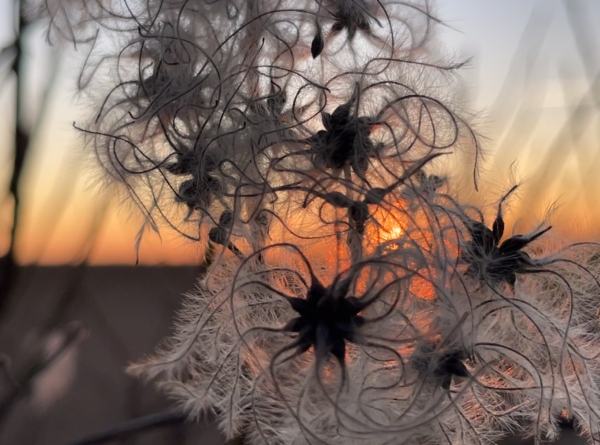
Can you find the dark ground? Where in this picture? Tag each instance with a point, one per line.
(126, 311)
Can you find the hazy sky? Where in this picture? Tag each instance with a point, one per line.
(525, 92)
(492, 31)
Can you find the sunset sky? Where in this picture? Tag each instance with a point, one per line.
(526, 80)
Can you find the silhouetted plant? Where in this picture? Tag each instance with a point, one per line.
(347, 297)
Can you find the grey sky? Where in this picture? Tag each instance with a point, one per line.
(492, 31)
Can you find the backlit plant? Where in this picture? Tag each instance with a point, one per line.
(351, 295)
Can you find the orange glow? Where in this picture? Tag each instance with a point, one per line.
(390, 225)
(43, 240)
(384, 227)
(422, 288)
(391, 234)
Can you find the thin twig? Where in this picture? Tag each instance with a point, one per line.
(8, 265)
(135, 426)
(38, 365)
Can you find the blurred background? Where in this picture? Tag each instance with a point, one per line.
(74, 308)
